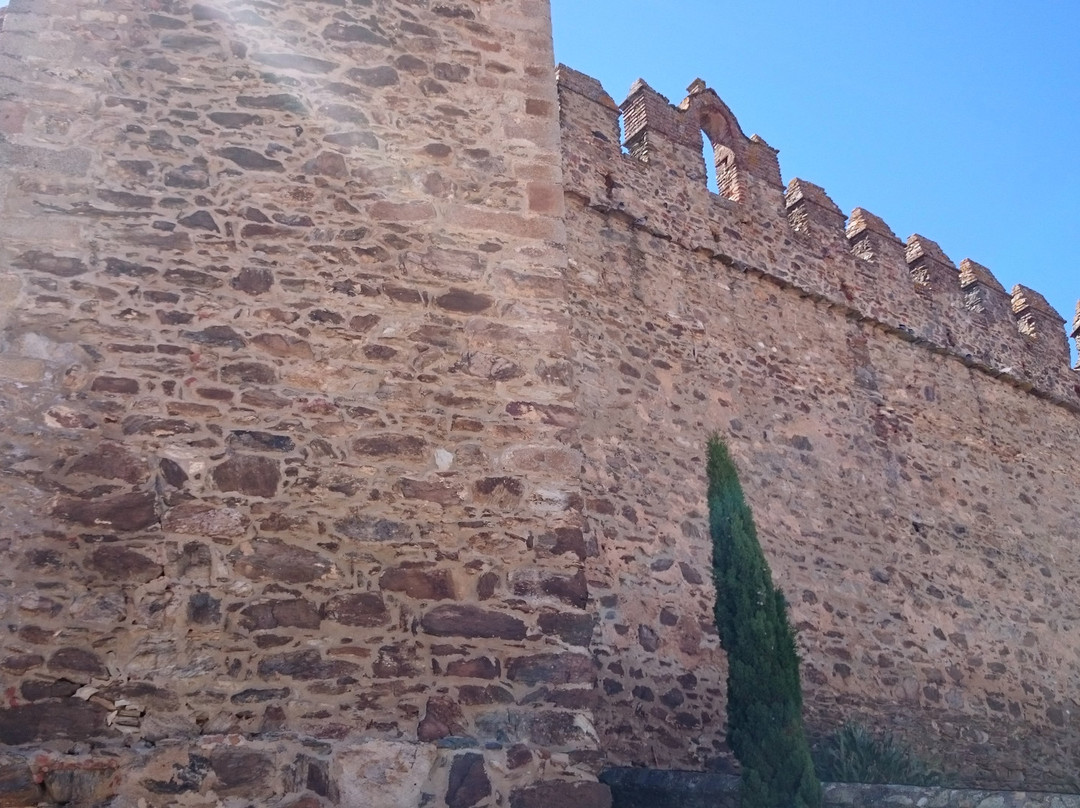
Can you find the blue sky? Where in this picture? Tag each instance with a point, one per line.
(954, 119)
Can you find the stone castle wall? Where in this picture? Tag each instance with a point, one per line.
(906, 434)
(286, 379)
(353, 396)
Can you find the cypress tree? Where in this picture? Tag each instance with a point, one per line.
(764, 699)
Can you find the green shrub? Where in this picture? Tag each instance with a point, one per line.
(764, 699)
(853, 754)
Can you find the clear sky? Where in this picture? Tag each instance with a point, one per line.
(955, 119)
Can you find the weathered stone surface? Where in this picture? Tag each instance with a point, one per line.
(204, 519)
(356, 609)
(468, 783)
(293, 612)
(18, 787)
(112, 461)
(253, 281)
(551, 669)
(465, 620)
(249, 474)
(48, 720)
(78, 660)
(409, 447)
(61, 266)
(304, 665)
(238, 770)
(365, 528)
(119, 563)
(480, 668)
(125, 512)
(547, 794)
(275, 560)
(572, 628)
(419, 583)
(86, 781)
(442, 717)
(383, 772)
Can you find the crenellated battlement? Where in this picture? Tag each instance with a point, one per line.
(796, 234)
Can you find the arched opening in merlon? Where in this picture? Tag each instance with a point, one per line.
(719, 157)
(708, 153)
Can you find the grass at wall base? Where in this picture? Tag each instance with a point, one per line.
(764, 705)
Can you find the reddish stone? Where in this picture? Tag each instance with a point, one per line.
(429, 490)
(250, 159)
(552, 669)
(468, 783)
(157, 427)
(499, 492)
(274, 560)
(305, 665)
(79, 660)
(49, 720)
(217, 336)
(552, 729)
(204, 519)
(464, 620)
(328, 163)
(239, 769)
(283, 346)
(340, 32)
(571, 628)
(562, 540)
(114, 384)
(464, 301)
(260, 441)
(486, 585)
(572, 590)
(294, 61)
(200, 220)
(38, 689)
(552, 793)
(442, 718)
(363, 323)
(690, 575)
(119, 563)
(391, 445)
(111, 461)
(397, 661)
(480, 668)
(235, 120)
(357, 609)
(517, 756)
(193, 279)
(295, 612)
(253, 280)
(259, 695)
(367, 528)
(81, 781)
(125, 512)
(419, 584)
(249, 474)
(473, 695)
(21, 663)
(61, 266)
(253, 372)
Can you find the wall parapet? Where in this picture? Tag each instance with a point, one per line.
(912, 286)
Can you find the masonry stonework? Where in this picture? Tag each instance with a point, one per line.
(354, 385)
